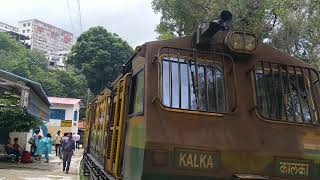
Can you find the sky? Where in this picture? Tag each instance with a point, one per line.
(133, 20)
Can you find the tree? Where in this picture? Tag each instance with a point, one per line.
(10, 111)
(13, 56)
(73, 84)
(33, 65)
(290, 25)
(99, 55)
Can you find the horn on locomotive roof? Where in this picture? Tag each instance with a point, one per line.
(203, 34)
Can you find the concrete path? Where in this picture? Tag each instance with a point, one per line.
(41, 170)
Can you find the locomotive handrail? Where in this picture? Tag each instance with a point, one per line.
(193, 54)
(115, 128)
(114, 125)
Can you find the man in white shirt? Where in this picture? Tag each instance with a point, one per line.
(57, 142)
(76, 138)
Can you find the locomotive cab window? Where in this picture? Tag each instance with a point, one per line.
(194, 82)
(137, 93)
(287, 93)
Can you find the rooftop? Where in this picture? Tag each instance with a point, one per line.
(34, 85)
(67, 101)
(38, 103)
(52, 26)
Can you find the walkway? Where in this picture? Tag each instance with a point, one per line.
(41, 170)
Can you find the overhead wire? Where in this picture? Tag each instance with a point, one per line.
(80, 18)
(70, 18)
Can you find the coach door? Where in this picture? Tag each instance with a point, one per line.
(117, 125)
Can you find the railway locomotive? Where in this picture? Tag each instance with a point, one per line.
(214, 105)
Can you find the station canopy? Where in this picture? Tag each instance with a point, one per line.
(32, 96)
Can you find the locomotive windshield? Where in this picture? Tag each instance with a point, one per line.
(193, 85)
(286, 93)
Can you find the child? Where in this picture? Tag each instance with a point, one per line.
(15, 145)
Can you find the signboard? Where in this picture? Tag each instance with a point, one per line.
(293, 167)
(66, 123)
(196, 160)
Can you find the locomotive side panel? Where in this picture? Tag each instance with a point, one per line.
(135, 132)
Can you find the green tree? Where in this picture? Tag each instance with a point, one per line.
(11, 112)
(73, 84)
(13, 56)
(33, 65)
(290, 25)
(99, 55)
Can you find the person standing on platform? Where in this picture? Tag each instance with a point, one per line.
(57, 142)
(33, 141)
(40, 147)
(47, 147)
(68, 147)
(77, 139)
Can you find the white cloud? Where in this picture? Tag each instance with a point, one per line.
(133, 20)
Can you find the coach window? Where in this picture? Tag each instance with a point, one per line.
(286, 93)
(137, 93)
(193, 85)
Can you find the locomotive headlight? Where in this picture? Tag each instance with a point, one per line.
(250, 43)
(241, 42)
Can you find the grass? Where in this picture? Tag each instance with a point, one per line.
(82, 177)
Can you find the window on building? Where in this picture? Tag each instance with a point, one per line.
(28, 24)
(137, 93)
(24, 25)
(58, 114)
(286, 93)
(193, 85)
(28, 30)
(51, 63)
(75, 115)
(23, 31)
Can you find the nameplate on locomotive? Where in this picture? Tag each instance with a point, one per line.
(196, 159)
(293, 167)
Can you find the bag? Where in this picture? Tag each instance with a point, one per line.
(26, 157)
(31, 141)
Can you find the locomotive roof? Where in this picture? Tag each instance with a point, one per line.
(264, 52)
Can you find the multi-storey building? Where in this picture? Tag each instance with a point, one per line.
(45, 37)
(8, 28)
(14, 32)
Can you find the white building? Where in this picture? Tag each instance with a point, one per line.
(7, 28)
(57, 60)
(45, 37)
(64, 115)
(14, 32)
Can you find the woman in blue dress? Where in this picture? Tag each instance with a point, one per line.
(40, 147)
(47, 148)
